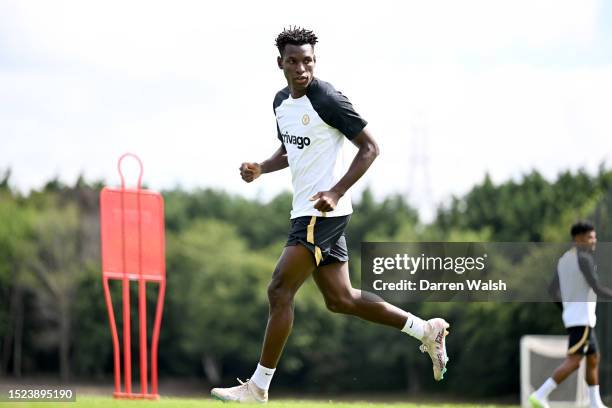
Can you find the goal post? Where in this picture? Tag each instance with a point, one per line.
(540, 355)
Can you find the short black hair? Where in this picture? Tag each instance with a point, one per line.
(581, 227)
(295, 36)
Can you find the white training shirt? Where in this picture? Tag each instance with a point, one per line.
(579, 299)
(312, 129)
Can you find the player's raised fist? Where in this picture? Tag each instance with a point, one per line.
(250, 171)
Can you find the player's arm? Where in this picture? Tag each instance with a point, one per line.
(587, 267)
(554, 290)
(278, 161)
(367, 153)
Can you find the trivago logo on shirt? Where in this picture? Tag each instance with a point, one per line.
(295, 140)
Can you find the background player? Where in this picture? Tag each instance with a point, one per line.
(577, 285)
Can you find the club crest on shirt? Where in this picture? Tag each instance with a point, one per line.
(305, 119)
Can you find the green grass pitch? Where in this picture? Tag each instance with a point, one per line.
(104, 402)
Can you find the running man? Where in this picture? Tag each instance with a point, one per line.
(577, 285)
(313, 119)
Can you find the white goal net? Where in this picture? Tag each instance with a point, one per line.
(540, 355)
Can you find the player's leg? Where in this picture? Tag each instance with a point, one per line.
(592, 378)
(539, 399)
(569, 365)
(332, 278)
(295, 265)
(592, 372)
(592, 369)
(578, 340)
(340, 297)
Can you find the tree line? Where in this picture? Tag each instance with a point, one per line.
(221, 250)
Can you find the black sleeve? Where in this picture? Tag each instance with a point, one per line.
(587, 267)
(335, 109)
(278, 133)
(278, 99)
(343, 117)
(554, 290)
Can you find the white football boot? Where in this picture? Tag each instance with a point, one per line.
(434, 344)
(246, 392)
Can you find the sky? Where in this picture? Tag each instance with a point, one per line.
(451, 89)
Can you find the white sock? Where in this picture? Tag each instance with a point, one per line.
(262, 377)
(414, 326)
(594, 396)
(544, 391)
